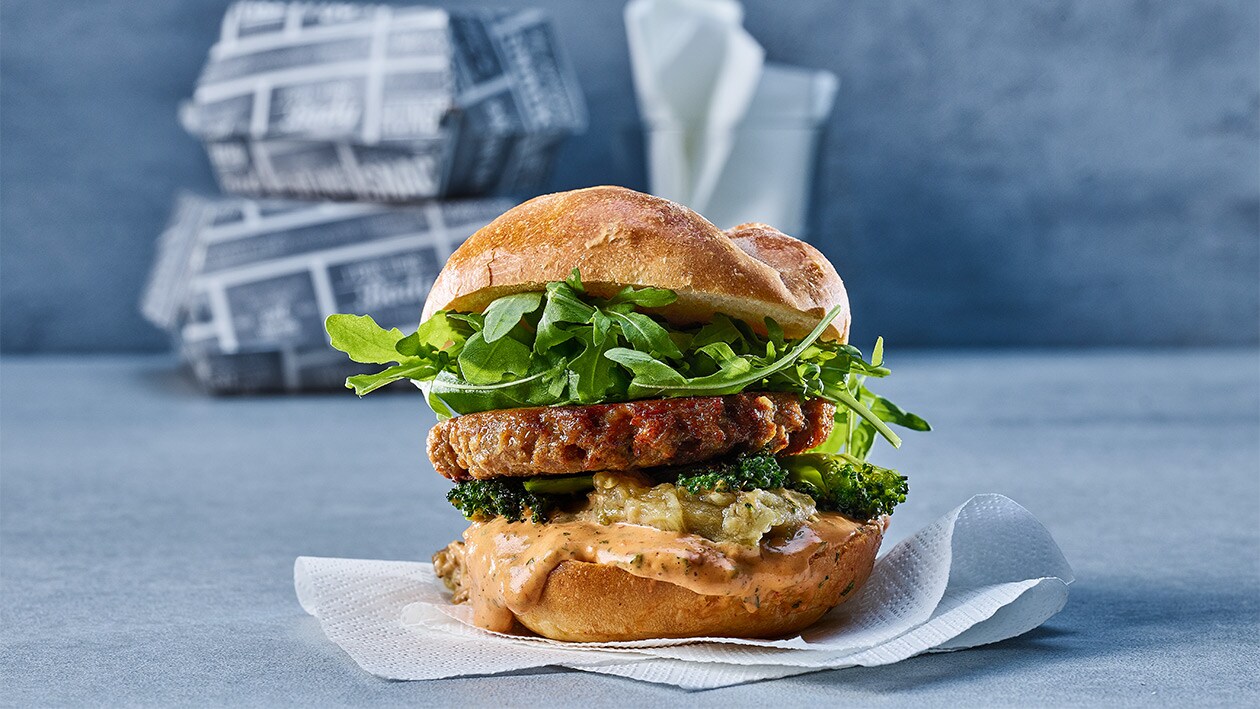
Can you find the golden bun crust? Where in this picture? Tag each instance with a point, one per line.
(619, 237)
(584, 602)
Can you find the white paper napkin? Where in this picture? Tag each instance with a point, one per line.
(984, 572)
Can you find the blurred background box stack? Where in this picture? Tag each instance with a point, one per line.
(411, 118)
(244, 285)
(380, 103)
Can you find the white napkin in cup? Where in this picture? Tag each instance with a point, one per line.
(695, 71)
(984, 572)
(727, 134)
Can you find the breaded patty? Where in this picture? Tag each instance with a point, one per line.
(562, 440)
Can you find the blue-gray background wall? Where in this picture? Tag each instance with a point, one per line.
(996, 173)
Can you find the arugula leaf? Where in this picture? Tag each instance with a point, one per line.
(594, 375)
(838, 439)
(563, 306)
(645, 334)
(368, 383)
(457, 396)
(861, 438)
(362, 339)
(474, 322)
(483, 362)
(437, 333)
(505, 313)
(890, 412)
(722, 329)
(646, 366)
(719, 352)
(725, 358)
(775, 331)
(845, 397)
(722, 383)
(643, 297)
(603, 326)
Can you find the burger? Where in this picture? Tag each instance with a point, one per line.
(656, 427)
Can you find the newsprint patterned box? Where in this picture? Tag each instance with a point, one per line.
(386, 104)
(244, 286)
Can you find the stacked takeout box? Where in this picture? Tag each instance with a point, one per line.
(412, 118)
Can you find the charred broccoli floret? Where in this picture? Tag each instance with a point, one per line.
(480, 500)
(750, 472)
(836, 482)
(854, 488)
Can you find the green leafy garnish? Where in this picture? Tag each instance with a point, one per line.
(360, 337)
(420, 356)
(505, 313)
(566, 346)
(482, 361)
(866, 413)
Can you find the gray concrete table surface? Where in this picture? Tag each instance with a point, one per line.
(147, 535)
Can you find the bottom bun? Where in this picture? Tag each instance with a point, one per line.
(587, 602)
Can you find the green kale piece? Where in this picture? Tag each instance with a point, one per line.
(750, 472)
(480, 500)
(846, 485)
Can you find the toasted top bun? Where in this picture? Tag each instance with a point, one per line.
(618, 237)
(588, 602)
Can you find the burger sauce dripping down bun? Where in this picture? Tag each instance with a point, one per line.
(618, 237)
(589, 582)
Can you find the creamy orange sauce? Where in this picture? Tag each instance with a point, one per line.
(506, 564)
